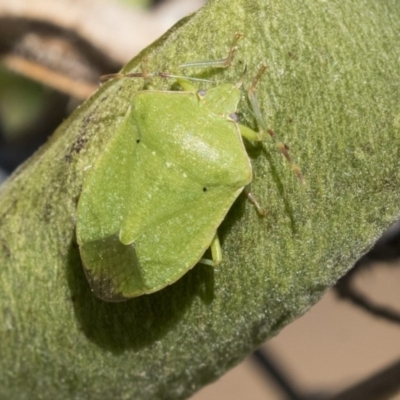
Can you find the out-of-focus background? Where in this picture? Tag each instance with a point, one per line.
(332, 347)
(51, 57)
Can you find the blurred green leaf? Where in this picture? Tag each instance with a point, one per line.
(20, 102)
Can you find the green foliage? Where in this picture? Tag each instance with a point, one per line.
(331, 93)
(20, 102)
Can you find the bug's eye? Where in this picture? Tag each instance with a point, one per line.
(137, 140)
(204, 189)
(201, 93)
(233, 117)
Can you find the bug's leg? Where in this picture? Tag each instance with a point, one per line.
(216, 253)
(186, 85)
(263, 130)
(184, 82)
(253, 199)
(249, 134)
(223, 63)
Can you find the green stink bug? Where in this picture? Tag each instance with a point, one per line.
(151, 205)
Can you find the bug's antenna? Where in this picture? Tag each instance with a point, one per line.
(262, 126)
(147, 75)
(241, 80)
(224, 63)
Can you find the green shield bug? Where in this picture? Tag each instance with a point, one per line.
(152, 203)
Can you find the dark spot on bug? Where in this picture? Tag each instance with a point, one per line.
(204, 189)
(137, 140)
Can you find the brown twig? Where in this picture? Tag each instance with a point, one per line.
(68, 44)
